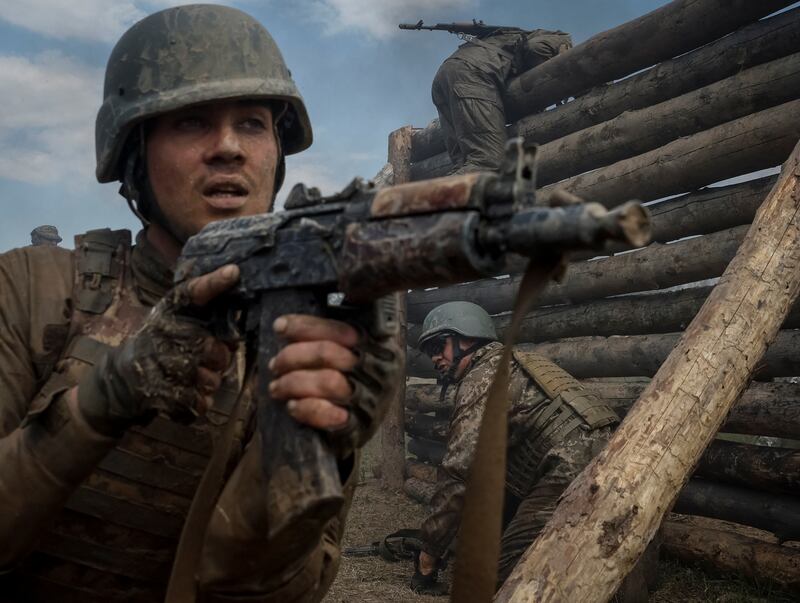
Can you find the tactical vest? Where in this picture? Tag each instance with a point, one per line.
(116, 536)
(571, 407)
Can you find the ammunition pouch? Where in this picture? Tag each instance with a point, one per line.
(571, 407)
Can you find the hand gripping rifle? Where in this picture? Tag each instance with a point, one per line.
(366, 243)
(475, 28)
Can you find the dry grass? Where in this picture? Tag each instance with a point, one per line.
(377, 512)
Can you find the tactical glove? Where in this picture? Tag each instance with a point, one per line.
(375, 378)
(155, 371)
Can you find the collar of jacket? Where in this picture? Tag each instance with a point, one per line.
(152, 277)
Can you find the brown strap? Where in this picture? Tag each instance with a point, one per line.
(475, 575)
(182, 586)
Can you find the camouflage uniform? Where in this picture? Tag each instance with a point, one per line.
(541, 461)
(90, 518)
(468, 92)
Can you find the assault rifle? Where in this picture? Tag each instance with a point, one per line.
(402, 544)
(366, 243)
(476, 28)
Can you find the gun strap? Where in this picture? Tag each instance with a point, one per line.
(182, 587)
(475, 575)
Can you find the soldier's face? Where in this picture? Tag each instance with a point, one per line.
(210, 162)
(443, 356)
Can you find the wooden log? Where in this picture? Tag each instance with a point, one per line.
(776, 513)
(761, 467)
(666, 32)
(657, 266)
(766, 409)
(636, 132)
(757, 43)
(418, 490)
(748, 144)
(610, 513)
(392, 429)
(422, 471)
(639, 131)
(733, 553)
(637, 355)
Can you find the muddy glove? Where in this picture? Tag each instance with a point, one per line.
(376, 376)
(427, 584)
(171, 366)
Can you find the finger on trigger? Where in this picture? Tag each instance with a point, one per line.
(313, 355)
(208, 381)
(304, 327)
(318, 413)
(205, 288)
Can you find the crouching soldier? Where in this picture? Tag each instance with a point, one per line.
(555, 427)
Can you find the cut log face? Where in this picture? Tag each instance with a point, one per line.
(728, 552)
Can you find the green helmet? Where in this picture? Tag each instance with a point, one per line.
(45, 234)
(458, 317)
(188, 55)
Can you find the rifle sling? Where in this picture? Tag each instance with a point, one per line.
(182, 587)
(475, 574)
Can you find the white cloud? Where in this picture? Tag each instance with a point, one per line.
(47, 122)
(95, 20)
(379, 18)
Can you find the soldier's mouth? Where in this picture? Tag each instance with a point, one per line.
(226, 195)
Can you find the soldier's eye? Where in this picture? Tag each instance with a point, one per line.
(254, 123)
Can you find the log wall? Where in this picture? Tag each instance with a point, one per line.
(700, 105)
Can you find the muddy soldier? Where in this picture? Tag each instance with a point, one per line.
(468, 92)
(95, 475)
(45, 235)
(555, 427)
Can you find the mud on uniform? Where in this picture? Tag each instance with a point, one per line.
(89, 518)
(550, 441)
(468, 92)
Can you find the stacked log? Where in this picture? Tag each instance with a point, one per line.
(704, 107)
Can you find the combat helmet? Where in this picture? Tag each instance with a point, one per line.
(45, 235)
(457, 318)
(185, 56)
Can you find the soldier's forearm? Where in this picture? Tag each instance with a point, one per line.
(41, 464)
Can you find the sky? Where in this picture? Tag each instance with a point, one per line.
(361, 78)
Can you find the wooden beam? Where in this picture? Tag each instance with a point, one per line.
(657, 266)
(733, 553)
(748, 144)
(609, 514)
(757, 43)
(669, 31)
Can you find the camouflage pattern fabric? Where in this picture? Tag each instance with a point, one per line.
(467, 91)
(562, 461)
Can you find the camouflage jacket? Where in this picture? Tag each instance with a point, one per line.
(526, 400)
(91, 518)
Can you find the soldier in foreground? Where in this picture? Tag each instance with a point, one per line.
(469, 86)
(556, 427)
(45, 235)
(109, 400)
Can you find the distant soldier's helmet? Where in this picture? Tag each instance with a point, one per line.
(46, 232)
(185, 56)
(456, 318)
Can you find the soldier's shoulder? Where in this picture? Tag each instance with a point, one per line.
(47, 266)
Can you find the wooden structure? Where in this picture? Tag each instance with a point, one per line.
(705, 104)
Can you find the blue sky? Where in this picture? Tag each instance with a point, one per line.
(361, 78)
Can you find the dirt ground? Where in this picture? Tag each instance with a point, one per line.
(377, 512)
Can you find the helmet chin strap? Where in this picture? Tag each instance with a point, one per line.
(458, 355)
